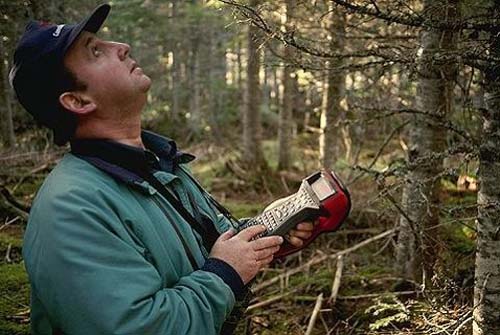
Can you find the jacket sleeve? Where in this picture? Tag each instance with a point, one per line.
(94, 279)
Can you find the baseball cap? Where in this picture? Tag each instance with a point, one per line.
(37, 72)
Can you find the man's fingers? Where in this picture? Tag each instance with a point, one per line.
(265, 253)
(300, 234)
(295, 241)
(227, 234)
(305, 226)
(267, 242)
(265, 261)
(248, 233)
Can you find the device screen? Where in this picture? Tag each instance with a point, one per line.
(322, 188)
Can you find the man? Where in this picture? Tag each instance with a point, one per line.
(121, 239)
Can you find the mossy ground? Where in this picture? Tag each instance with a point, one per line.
(14, 287)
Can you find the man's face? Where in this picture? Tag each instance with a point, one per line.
(113, 79)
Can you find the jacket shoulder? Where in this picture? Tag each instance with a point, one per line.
(73, 173)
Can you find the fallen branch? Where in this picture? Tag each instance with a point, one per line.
(7, 254)
(376, 295)
(358, 231)
(320, 259)
(32, 172)
(11, 200)
(336, 280)
(267, 302)
(314, 315)
(457, 330)
(9, 222)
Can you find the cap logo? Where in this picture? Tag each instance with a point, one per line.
(58, 30)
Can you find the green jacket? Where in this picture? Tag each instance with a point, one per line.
(104, 258)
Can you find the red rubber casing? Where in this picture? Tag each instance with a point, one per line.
(336, 208)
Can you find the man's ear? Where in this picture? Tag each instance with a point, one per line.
(77, 103)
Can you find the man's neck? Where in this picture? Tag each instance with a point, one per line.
(123, 131)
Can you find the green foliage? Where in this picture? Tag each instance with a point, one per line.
(388, 310)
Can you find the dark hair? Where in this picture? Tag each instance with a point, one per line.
(67, 81)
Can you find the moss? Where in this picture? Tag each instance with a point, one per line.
(243, 209)
(15, 244)
(14, 293)
(29, 186)
(211, 165)
(371, 270)
(6, 240)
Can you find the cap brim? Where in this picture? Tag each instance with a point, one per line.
(91, 24)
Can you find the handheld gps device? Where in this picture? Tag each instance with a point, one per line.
(321, 197)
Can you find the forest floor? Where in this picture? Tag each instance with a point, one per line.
(371, 298)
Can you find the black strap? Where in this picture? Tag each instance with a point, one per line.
(224, 211)
(189, 254)
(209, 236)
(204, 227)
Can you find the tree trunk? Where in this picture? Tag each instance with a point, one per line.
(196, 117)
(487, 275)
(239, 68)
(176, 68)
(334, 91)
(275, 89)
(252, 152)
(426, 141)
(7, 123)
(266, 85)
(218, 89)
(285, 116)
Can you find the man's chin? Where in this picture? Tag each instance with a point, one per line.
(146, 84)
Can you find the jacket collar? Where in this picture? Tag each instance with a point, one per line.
(129, 163)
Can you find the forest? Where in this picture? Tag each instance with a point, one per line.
(400, 98)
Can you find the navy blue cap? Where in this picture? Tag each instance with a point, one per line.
(37, 73)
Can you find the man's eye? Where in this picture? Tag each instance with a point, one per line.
(95, 51)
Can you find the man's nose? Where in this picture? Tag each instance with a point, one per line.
(123, 50)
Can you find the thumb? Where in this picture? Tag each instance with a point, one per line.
(227, 234)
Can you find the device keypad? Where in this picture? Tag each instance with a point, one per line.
(275, 217)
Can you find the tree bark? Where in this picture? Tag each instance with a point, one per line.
(285, 116)
(176, 68)
(486, 314)
(333, 92)
(196, 117)
(266, 85)
(8, 136)
(252, 152)
(426, 141)
(218, 89)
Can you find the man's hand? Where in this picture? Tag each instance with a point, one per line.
(302, 232)
(245, 255)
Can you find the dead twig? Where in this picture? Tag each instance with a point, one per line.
(460, 326)
(376, 295)
(285, 185)
(314, 315)
(380, 150)
(13, 202)
(8, 223)
(267, 301)
(7, 254)
(30, 173)
(336, 281)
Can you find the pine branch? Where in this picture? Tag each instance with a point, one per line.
(417, 21)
